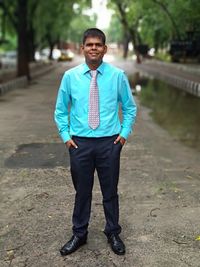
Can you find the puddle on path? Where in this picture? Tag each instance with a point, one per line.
(38, 155)
(175, 110)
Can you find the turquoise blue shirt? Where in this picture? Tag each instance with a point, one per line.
(71, 112)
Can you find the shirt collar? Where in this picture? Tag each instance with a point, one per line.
(100, 69)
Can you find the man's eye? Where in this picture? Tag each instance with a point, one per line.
(91, 45)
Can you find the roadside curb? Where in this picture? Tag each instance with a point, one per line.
(188, 85)
(192, 69)
(22, 81)
(15, 83)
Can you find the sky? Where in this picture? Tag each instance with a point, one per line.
(104, 14)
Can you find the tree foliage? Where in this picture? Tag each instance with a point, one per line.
(36, 24)
(53, 21)
(156, 22)
(79, 23)
(115, 31)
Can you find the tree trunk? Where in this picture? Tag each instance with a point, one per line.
(31, 46)
(125, 44)
(23, 55)
(135, 44)
(128, 29)
(51, 46)
(31, 31)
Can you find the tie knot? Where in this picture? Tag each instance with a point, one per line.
(93, 73)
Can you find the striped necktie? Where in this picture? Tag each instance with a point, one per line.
(93, 117)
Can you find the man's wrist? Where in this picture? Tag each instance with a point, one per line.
(65, 137)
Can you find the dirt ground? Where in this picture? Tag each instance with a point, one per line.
(159, 191)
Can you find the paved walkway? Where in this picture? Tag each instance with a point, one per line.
(159, 191)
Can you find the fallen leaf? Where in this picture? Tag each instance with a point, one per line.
(9, 255)
(197, 238)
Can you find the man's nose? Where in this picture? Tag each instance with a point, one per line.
(94, 46)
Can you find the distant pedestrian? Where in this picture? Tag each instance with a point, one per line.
(86, 115)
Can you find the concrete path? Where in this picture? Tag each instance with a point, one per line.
(159, 191)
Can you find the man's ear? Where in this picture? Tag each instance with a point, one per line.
(82, 49)
(105, 49)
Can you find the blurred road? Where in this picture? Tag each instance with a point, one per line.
(159, 190)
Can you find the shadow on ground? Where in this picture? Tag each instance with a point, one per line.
(38, 155)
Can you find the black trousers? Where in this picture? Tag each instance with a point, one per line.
(104, 156)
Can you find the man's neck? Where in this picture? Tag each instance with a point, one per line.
(93, 66)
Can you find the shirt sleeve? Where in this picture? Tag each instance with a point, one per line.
(61, 114)
(128, 106)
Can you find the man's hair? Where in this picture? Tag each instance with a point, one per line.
(94, 32)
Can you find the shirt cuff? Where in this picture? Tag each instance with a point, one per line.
(125, 133)
(65, 136)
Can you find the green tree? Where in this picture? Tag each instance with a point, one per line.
(78, 25)
(157, 22)
(115, 31)
(53, 22)
(129, 13)
(16, 12)
(36, 24)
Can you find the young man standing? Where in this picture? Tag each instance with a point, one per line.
(87, 118)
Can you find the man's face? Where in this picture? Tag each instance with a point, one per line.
(94, 50)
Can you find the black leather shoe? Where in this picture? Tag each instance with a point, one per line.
(72, 245)
(116, 244)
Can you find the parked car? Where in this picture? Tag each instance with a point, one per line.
(9, 59)
(66, 55)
